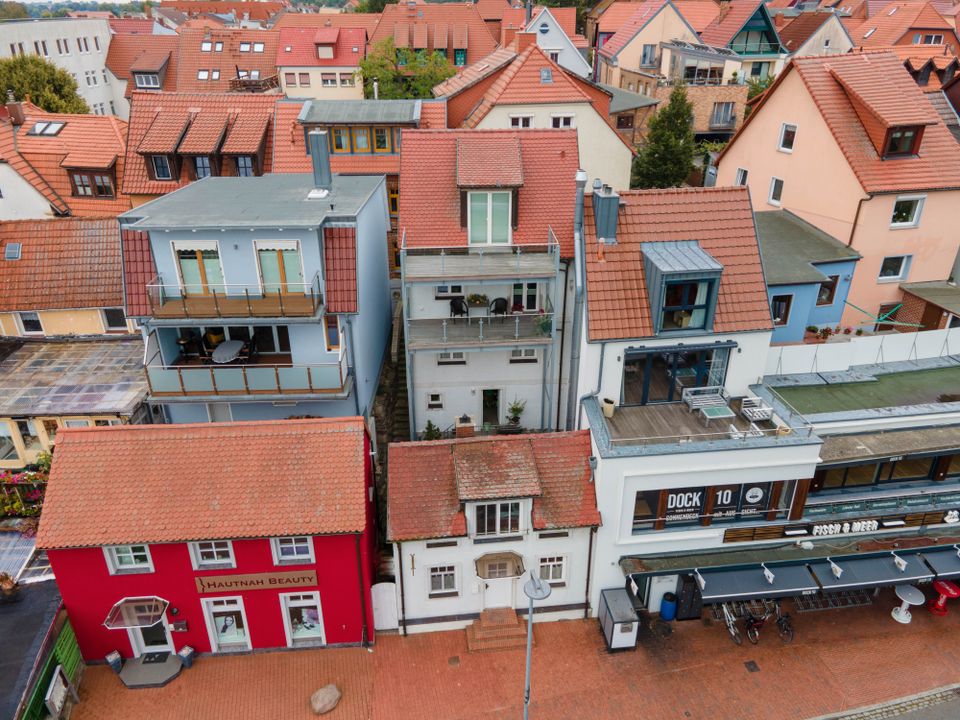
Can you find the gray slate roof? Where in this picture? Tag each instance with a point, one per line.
(624, 100)
(673, 256)
(789, 246)
(943, 107)
(253, 202)
(334, 112)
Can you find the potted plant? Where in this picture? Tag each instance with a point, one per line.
(859, 332)
(477, 300)
(544, 323)
(515, 410)
(847, 331)
(8, 587)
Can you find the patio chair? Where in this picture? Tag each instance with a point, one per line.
(250, 353)
(499, 306)
(755, 409)
(458, 308)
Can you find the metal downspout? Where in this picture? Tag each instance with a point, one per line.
(353, 369)
(363, 597)
(563, 331)
(579, 259)
(403, 600)
(586, 596)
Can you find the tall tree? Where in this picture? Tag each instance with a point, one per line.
(48, 86)
(667, 157)
(403, 73)
(13, 11)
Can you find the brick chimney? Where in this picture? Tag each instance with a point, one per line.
(15, 109)
(724, 9)
(525, 40)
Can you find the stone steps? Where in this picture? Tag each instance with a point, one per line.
(498, 629)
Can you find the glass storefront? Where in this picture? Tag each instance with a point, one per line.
(677, 507)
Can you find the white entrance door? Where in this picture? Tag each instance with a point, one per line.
(384, 598)
(155, 638)
(226, 624)
(498, 592)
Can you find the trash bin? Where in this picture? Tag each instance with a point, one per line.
(187, 654)
(115, 661)
(608, 407)
(668, 606)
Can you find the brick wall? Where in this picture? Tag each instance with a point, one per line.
(703, 98)
(910, 312)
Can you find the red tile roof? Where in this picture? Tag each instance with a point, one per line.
(472, 74)
(492, 9)
(699, 13)
(297, 47)
(462, 25)
(886, 29)
(719, 219)
(136, 26)
(259, 479)
(249, 114)
(643, 13)
(616, 14)
(796, 32)
(95, 142)
(260, 10)
(489, 161)
(65, 264)
(430, 198)
(566, 18)
(192, 59)
(128, 50)
(204, 135)
(896, 99)
(433, 115)
(364, 21)
(165, 132)
(724, 29)
(429, 481)
(138, 270)
(340, 267)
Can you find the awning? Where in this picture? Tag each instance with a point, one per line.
(945, 562)
(870, 572)
(752, 583)
(136, 612)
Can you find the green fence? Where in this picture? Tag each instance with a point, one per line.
(59, 648)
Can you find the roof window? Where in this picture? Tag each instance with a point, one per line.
(869, 32)
(46, 128)
(546, 76)
(902, 141)
(12, 251)
(895, 8)
(206, 46)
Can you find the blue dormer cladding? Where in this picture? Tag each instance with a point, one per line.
(683, 281)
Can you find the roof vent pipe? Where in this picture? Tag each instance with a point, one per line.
(606, 206)
(320, 159)
(529, 15)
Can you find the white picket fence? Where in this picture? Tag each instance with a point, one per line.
(865, 350)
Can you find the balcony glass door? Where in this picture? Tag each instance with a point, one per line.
(200, 270)
(280, 267)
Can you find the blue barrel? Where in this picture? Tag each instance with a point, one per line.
(668, 606)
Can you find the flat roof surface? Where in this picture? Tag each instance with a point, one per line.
(243, 202)
(940, 293)
(73, 378)
(387, 112)
(917, 387)
(23, 625)
(624, 100)
(866, 446)
(788, 246)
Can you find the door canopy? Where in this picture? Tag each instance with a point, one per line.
(136, 612)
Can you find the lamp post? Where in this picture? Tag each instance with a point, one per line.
(535, 589)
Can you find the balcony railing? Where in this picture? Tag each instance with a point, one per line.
(254, 85)
(522, 329)
(252, 379)
(755, 48)
(464, 262)
(229, 301)
(722, 122)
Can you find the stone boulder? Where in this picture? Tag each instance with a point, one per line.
(325, 699)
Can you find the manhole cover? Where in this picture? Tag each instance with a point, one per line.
(752, 666)
(454, 661)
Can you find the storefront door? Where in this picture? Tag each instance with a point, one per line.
(226, 624)
(155, 638)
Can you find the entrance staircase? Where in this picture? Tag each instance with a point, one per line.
(497, 629)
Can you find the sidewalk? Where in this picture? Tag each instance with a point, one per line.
(840, 660)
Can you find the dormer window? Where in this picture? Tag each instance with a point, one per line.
(903, 141)
(685, 305)
(488, 220)
(90, 183)
(460, 57)
(683, 281)
(149, 81)
(161, 167)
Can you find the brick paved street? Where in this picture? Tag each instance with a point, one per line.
(841, 660)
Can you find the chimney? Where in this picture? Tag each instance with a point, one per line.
(320, 159)
(529, 15)
(15, 109)
(525, 40)
(606, 207)
(724, 9)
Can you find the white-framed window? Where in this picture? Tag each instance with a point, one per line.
(245, 166)
(29, 322)
(83, 45)
(776, 191)
(106, 77)
(434, 401)
(258, 47)
(457, 357)
(206, 46)
(499, 518)
(928, 39)
(201, 164)
(114, 319)
(554, 56)
(521, 122)
(304, 79)
(780, 306)
(489, 218)
(218, 47)
(826, 42)
(894, 268)
(523, 355)
(147, 80)
(244, 47)
(448, 291)
(128, 558)
(296, 550)
(906, 211)
(212, 554)
(203, 74)
(553, 569)
(560, 122)
(302, 618)
(443, 581)
(347, 80)
(525, 297)
(96, 43)
(215, 74)
(788, 135)
(328, 79)
(161, 167)
(741, 178)
(226, 623)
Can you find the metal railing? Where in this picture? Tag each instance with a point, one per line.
(234, 300)
(251, 379)
(454, 261)
(743, 436)
(248, 84)
(722, 123)
(489, 329)
(755, 48)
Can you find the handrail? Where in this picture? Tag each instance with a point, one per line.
(754, 47)
(487, 328)
(744, 436)
(240, 379)
(160, 294)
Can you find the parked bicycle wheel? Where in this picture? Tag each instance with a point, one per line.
(735, 634)
(753, 634)
(786, 630)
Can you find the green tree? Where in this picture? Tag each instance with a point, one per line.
(371, 6)
(48, 86)
(13, 11)
(403, 73)
(667, 157)
(755, 86)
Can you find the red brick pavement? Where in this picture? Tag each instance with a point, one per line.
(840, 660)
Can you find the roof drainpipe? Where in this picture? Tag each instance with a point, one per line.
(529, 15)
(320, 161)
(579, 273)
(353, 370)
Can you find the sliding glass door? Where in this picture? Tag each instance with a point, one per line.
(280, 267)
(200, 269)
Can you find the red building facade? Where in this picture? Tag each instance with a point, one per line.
(280, 552)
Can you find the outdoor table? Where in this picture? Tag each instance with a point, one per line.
(910, 596)
(227, 351)
(715, 412)
(948, 591)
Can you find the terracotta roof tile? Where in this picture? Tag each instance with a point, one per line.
(721, 31)
(616, 15)
(128, 50)
(316, 471)
(133, 26)
(885, 28)
(246, 134)
(489, 161)
(430, 198)
(433, 115)
(165, 132)
(138, 270)
(643, 13)
(699, 13)
(796, 32)
(260, 10)
(204, 135)
(340, 267)
(297, 47)
(429, 481)
(719, 219)
(151, 60)
(472, 74)
(492, 9)
(191, 59)
(364, 21)
(65, 263)
(465, 28)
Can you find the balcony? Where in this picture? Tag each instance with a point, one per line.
(479, 262)
(254, 85)
(509, 330)
(176, 302)
(723, 122)
(756, 48)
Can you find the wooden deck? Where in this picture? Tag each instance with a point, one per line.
(219, 306)
(670, 422)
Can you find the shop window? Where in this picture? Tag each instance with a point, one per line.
(212, 554)
(741, 502)
(498, 518)
(828, 290)
(302, 618)
(553, 569)
(869, 474)
(443, 581)
(780, 308)
(292, 550)
(228, 622)
(128, 559)
(452, 358)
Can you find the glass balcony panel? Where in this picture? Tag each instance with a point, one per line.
(229, 379)
(163, 380)
(197, 380)
(293, 379)
(325, 377)
(261, 379)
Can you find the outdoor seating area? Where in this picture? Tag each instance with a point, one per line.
(212, 348)
(505, 329)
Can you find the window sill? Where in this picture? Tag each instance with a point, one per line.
(132, 571)
(437, 595)
(496, 539)
(785, 150)
(904, 226)
(774, 203)
(888, 280)
(215, 566)
(297, 561)
(555, 585)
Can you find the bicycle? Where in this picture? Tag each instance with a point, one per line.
(731, 621)
(784, 624)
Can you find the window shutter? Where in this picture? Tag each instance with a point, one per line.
(515, 210)
(463, 208)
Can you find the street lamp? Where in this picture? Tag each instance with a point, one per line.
(535, 589)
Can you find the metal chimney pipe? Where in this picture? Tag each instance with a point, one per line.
(376, 89)
(529, 14)
(320, 159)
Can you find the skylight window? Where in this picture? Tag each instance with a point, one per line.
(46, 128)
(869, 32)
(893, 11)
(12, 251)
(546, 76)
(206, 46)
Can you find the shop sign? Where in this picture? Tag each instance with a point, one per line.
(949, 498)
(917, 500)
(746, 499)
(848, 507)
(884, 504)
(844, 528)
(685, 503)
(258, 581)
